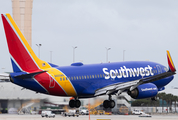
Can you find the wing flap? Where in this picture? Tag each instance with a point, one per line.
(115, 87)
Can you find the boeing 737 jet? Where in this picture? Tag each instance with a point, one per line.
(140, 79)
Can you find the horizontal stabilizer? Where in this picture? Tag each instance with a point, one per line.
(29, 75)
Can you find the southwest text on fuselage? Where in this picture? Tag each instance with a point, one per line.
(128, 72)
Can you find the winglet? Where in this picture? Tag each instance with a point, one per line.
(170, 63)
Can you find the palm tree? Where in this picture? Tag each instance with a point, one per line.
(162, 96)
(175, 98)
(169, 99)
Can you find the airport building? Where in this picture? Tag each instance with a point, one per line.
(14, 99)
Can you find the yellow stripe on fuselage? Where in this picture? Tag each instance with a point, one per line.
(62, 81)
(41, 64)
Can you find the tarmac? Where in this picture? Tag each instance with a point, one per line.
(86, 117)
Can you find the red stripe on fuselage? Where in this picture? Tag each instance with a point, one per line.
(44, 80)
(15, 46)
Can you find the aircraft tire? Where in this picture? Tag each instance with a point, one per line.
(72, 103)
(77, 103)
(111, 104)
(106, 104)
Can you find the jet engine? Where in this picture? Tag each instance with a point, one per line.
(144, 91)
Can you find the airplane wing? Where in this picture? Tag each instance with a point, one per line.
(120, 87)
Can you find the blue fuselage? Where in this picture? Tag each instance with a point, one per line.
(86, 79)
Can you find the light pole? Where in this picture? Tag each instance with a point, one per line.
(39, 45)
(107, 54)
(74, 53)
(51, 56)
(123, 54)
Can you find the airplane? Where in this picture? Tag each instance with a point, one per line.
(140, 79)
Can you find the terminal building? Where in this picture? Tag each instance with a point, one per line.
(17, 99)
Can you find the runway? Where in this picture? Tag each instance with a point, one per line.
(92, 117)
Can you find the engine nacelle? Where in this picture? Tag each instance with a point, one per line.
(144, 91)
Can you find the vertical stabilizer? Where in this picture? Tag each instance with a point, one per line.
(22, 56)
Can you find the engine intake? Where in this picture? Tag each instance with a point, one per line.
(144, 91)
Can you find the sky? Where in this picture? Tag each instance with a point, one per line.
(144, 30)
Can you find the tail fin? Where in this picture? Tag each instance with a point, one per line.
(22, 56)
(170, 62)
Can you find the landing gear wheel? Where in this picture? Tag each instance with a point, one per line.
(72, 103)
(77, 103)
(106, 103)
(111, 104)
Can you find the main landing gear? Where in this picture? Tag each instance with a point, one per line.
(74, 103)
(109, 103)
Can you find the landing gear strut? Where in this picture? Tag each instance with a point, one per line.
(74, 103)
(109, 103)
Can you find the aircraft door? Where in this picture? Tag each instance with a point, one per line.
(52, 81)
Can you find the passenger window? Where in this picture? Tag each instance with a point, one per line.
(61, 79)
(93, 76)
(77, 77)
(74, 78)
(71, 78)
(80, 77)
(98, 75)
(87, 77)
(64, 78)
(90, 76)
